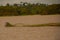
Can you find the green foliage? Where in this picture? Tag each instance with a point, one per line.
(25, 8)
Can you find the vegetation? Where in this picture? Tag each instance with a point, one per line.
(29, 9)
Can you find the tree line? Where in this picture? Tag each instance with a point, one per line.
(25, 8)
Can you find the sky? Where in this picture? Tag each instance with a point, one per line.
(4, 2)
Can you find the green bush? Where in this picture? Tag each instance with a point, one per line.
(29, 9)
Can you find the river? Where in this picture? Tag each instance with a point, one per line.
(29, 33)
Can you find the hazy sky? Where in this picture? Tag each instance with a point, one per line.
(3, 2)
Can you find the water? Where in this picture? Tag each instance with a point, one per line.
(29, 33)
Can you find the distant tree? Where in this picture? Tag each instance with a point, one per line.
(7, 4)
(29, 9)
(15, 4)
